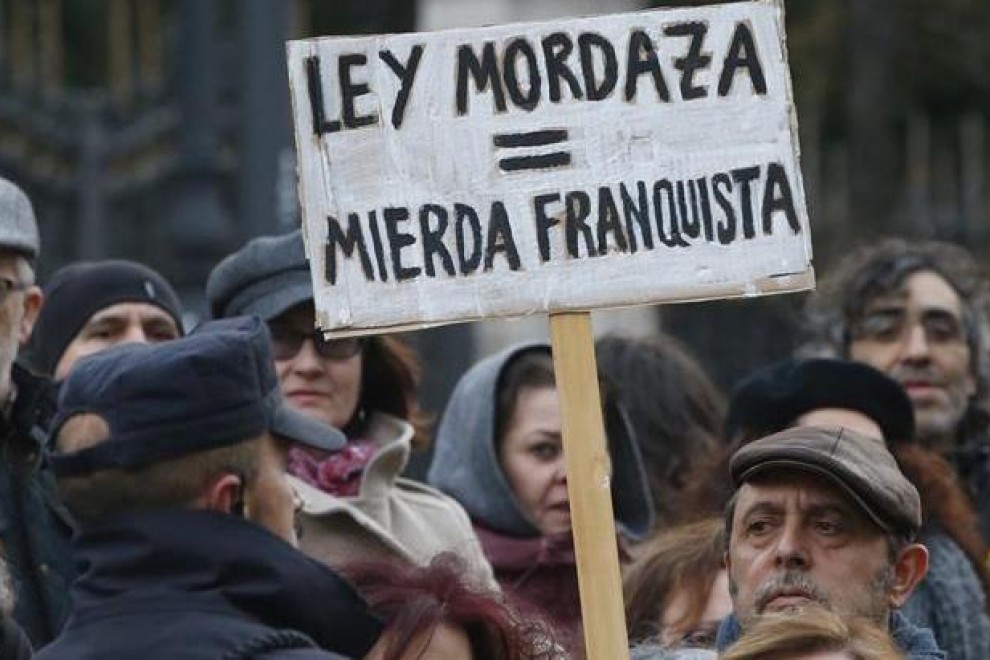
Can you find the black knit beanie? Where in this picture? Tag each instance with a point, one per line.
(78, 291)
(774, 397)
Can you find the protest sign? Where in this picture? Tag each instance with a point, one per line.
(552, 167)
(567, 165)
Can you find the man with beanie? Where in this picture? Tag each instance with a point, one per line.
(172, 458)
(34, 527)
(823, 516)
(93, 305)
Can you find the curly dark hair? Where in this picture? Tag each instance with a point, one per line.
(879, 269)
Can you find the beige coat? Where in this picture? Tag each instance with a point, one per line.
(391, 516)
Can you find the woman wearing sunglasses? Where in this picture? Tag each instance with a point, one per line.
(354, 504)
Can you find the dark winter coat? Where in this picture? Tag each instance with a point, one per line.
(198, 584)
(35, 528)
(971, 459)
(14, 644)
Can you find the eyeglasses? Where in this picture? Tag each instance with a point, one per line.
(8, 286)
(892, 325)
(287, 342)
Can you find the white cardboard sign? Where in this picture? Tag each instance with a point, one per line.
(566, 165)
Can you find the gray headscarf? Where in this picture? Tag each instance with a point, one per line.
(466, 465)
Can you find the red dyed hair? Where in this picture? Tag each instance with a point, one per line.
(416, 599)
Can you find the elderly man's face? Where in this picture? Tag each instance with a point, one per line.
(798, 540)
(916, 335)
(19, 305)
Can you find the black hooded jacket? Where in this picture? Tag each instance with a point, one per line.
(35, 528)
(198, 584)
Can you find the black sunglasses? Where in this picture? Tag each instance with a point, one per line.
(287, 342)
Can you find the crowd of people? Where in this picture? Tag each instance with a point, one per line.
(236, 489)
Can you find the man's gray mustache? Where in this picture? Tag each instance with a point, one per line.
(789, 582)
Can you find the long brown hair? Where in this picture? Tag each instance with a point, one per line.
(390, 376)
(684, 559)
(812, 630)
(675, 409)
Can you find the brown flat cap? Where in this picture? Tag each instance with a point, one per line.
(860, 465)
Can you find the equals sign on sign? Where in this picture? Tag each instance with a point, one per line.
(535, 159)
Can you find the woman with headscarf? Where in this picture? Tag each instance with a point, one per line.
(499, 453)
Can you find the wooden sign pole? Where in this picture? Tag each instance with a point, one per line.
(589, 479)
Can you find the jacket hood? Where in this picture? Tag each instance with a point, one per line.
(208, 553)
(466, 465)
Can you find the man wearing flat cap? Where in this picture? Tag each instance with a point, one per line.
(172, 458)
(824, 516)
(952, 598)
(34, 528)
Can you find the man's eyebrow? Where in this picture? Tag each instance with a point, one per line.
(104, 319)
(940, 312)
(159, 320)
(762, 506)
(890, 308)
(829, 508)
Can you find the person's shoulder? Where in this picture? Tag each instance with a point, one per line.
(427, 497)
(917, 643)
(949, 566)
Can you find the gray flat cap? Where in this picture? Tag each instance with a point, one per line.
(859, 465)
(266, 277)
(18, 228)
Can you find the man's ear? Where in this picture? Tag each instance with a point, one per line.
(31, 307)
(910, 567)
(225, 495)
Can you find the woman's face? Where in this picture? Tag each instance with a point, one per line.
(325, 388)
(532, 459)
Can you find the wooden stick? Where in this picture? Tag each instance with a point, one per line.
(588, 486)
